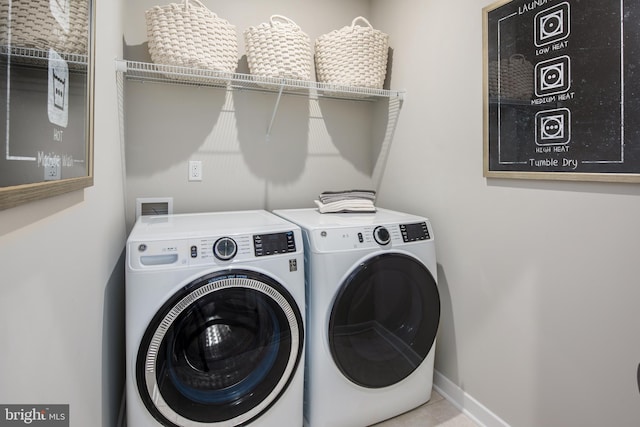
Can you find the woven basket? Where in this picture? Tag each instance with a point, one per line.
(41, 24)
(516, 78)
(279, 49)
(190, 35)
(353, 56)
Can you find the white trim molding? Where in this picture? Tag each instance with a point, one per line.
(466, 403)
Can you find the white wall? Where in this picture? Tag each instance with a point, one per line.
(61, 314)
(539, 280)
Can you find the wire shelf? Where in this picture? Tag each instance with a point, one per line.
(39, 56)
(151, 72)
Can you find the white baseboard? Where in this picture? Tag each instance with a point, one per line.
(467, 404)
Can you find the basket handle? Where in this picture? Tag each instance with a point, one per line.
(198, 2)
(283, 18)
(360, 18)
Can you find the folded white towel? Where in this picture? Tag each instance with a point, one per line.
(335, 196)
(345, 206)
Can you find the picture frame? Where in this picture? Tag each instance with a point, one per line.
(551, 109)
(47, 78)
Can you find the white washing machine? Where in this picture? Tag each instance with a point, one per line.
(373, 311)
(215, 320)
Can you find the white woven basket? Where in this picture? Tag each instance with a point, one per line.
(190, 35)
(41, 24)
(516, 78)
(279, 49)
(353, 56)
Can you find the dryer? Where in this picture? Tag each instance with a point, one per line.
(214, 320)
(373, 311)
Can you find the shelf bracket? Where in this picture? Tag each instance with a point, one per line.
(275, 110)
(121, 66)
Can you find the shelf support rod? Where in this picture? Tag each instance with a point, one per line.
(395, 104)
(275, 110)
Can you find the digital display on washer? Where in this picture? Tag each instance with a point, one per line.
(276, 243)
(414, 232)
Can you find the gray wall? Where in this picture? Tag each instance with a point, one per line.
(314, 145)
(539, 279)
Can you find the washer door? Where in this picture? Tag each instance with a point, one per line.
(222, 350)
(384, 320)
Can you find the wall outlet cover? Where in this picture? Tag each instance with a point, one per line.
(195, 170)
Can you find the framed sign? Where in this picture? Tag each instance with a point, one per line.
(562, 90)
(46, 98)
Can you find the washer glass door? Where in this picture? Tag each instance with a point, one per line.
(222, 350)
(384, 320)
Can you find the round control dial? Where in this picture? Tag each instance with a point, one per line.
(225, 248)
(381, 235)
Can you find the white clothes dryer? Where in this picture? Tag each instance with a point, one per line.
(373, 311)
(215, 320)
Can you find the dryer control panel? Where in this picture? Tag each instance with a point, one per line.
(415, 232)
(374, 236)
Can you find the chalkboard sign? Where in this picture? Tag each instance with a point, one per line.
(46, 98)
(562, 90)
(43, 124)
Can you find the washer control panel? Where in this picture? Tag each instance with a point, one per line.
(211, 250)
(274, 243)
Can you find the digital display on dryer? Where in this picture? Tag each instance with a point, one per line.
(414, 232)
(276, 243)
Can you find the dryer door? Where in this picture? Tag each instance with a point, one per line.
(221, 351)
(384, 320)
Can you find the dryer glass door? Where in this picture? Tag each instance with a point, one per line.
(222, 350)
(384, 320)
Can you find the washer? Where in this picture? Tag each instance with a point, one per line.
(373, 312)
(215, 320)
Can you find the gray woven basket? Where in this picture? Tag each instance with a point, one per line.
(279, 49)
(41, 24)
(190, 35)
(353, 56)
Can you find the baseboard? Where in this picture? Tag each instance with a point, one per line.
(467, 404)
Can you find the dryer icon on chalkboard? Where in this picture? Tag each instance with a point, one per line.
(552, 25)
(553, 76)
(58, 91)
(553, 127)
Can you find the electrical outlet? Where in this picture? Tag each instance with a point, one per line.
(52, 170)
(195, 170)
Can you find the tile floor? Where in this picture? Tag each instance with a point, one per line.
(437, 412)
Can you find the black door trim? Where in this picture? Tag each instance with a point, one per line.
(384, 320)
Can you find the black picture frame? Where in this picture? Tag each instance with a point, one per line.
(560, 90)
